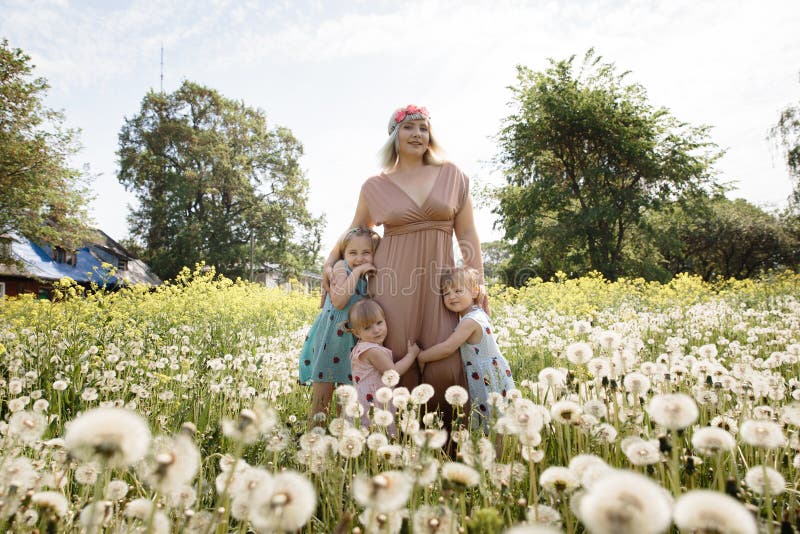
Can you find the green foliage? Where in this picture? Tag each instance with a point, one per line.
(42, 197)
(209, 173)
(787, 133)
(718, 237)
(584, 154)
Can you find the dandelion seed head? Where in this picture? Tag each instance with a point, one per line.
(712, 440)
(456, 395)
(624, 502)
(390, 378)
(116, 490)
(53, 501)
(385, 492)
(422, 393)
(114, 436)
(558, 480)
(459, 475)
(579, 353)
(712, 511)
(764, 480)
(284, 503)
(674, 411)
(762, 433)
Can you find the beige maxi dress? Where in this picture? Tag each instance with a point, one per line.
(417, 244)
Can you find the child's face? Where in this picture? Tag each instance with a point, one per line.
(374, 333)
(358, 251)
(458, 297)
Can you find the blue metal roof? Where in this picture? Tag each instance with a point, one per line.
(40, 264)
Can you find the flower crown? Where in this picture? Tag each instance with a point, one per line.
(409, 112)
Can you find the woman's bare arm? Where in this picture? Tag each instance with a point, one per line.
(470, 243)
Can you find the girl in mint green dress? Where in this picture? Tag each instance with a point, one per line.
(325, 358)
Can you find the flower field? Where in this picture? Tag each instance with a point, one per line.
(641, 408)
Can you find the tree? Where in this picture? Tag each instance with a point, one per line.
(212, 180)
(715, 236)
(584, 154)
(787, 133)
(42, 197)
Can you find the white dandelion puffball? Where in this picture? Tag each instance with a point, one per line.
(384, 492)
(422, 393)
(762, 433)
(115, 436)
(674, 411)
(283, 503)
(456, 396)
(53, 501)
(765, 480)
(712, 511)
(558, 480)
(27, 426)
(390, 378)
(460, 475)
(711, 440)
(579, 353)
(625, 502)
(173, 463)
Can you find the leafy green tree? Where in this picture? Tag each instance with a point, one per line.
(584, 154)
(787, 133)
(213, 182)
(42, 197)
(715, 236)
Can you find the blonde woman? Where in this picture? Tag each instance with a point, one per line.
(421, 201)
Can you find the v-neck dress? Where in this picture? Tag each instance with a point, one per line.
(417, 244)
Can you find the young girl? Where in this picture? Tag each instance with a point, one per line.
(324, 360)
(369, 359)
(486, 369)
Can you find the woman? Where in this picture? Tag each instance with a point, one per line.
(420, 201)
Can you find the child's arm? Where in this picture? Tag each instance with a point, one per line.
(343, 285)
(382, 362)
(460, 335)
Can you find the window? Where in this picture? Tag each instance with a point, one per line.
(2, 289)
(61, 255)
(122, 264)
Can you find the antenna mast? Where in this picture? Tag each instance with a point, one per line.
(162, 66)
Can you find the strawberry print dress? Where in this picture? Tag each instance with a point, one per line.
(326, 352)
(486, 369)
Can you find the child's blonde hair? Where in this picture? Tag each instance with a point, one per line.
(362, 314)
(467, 276)
(358, 231)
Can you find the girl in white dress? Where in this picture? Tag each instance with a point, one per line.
(486, 369)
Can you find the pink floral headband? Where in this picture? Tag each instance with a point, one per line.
(410, 112)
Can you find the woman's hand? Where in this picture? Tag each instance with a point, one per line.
(484, 304)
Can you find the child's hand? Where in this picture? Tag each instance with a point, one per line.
(365, 268)
(413, 349)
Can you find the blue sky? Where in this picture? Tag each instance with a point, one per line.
(332, 72)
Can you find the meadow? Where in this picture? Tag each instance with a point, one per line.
(641, 407)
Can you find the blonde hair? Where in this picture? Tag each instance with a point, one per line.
(467, 276)
(358, 231)
(387, 155)
(362, 314)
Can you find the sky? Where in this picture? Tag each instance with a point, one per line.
(333, 72)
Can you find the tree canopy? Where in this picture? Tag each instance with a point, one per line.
(787, 133)
(213, 178)
(584, 154)
(42, 197)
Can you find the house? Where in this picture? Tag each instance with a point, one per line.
(271, 275)
(28, 267)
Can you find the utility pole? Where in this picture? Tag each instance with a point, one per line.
(252, 242)
(162, 66)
